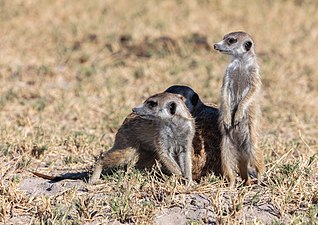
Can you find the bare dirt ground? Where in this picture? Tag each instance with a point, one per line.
(190, 207)
(71, 71)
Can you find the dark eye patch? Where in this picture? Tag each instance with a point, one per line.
(248, 45)
(152, 103)
(172, 108)
(231, 40)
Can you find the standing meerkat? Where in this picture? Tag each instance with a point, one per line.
(161, 128)
(206, 153)
(239, 107)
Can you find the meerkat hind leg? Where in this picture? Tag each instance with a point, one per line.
(228, 158)
(245, 150)
(146, 159)
(257, 162)
(112, 158)
(257, 157)
(96, 173)
(243, 165)
(247, 158)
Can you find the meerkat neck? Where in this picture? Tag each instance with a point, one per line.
(177, 119)
(248, 60)
(245, 57)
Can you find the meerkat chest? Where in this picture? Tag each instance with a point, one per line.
(177, 135)
(238, 80)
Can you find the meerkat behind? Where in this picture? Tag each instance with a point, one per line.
(206, 154)
(160, 129)
(239, 107)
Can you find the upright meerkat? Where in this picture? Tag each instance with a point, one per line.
(206, 154)
(239, 107)
(161, 128)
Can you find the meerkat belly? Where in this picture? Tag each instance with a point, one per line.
(176, 138)
(239, 86)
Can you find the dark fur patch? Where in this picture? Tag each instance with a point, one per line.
(172, 108)
(248, 45)
(195, 99)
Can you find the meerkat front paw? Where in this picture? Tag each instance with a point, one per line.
(227, 122)
(238, 118)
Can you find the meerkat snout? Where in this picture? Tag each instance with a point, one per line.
(136, 109)
(147, 108)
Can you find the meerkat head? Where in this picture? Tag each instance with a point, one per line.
(192, 99)
(236, 44)
(163, 106)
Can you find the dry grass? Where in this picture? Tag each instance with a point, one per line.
(67, 83)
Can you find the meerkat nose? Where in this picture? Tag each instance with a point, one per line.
(215, 46)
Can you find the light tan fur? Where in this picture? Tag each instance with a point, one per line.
(240, 108)
(160, 129)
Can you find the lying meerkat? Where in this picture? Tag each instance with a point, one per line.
(240, 107)
(206, 153)
(161, 128)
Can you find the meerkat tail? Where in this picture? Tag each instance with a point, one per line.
(44, 176)
(70, 176)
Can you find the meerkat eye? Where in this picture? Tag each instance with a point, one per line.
(231, 40)
(172, 108)
(247, 45)
(152, 104)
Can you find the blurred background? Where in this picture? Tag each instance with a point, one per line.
(83, 65)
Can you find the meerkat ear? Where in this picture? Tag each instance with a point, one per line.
(181, 97)
(172, 108)
(195, 99)
(248, 45)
